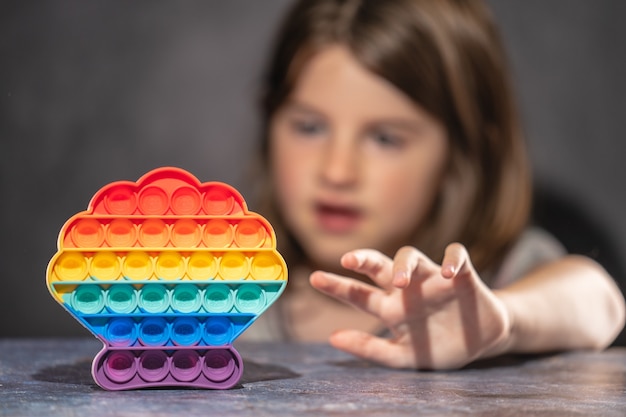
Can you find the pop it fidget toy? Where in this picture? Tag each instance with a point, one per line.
(167, 272)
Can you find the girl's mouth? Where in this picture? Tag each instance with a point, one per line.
(337, 219)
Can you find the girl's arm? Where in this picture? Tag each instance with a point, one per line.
(443, 317)
(571, 303)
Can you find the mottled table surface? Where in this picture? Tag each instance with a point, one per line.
(51, 377)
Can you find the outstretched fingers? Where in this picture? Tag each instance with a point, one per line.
(455, 261)
(348, 290)
(409, 265)
(370, 263)
(388, 273)
(372, 348)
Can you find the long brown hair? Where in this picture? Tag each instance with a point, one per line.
(447, 56)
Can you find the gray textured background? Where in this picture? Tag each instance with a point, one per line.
(99, 91)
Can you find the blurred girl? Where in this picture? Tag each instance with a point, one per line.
(397, 181)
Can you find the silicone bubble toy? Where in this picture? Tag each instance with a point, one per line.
(167, 272)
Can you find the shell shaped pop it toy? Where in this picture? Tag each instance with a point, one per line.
(167, 272)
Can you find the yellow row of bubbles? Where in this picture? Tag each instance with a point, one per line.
(168, 265)
(155, 232)
(124, 299)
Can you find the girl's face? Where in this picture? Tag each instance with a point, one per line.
(355, 163)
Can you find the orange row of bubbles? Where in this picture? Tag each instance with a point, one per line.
(89, 232)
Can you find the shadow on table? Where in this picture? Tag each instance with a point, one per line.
(76, 373)
(79, 373)
(496, 362)
(506, 361)
(257, 372)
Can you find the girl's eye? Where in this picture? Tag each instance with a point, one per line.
(307, 127)
(386, 139)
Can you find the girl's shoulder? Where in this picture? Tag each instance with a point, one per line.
(534, 247)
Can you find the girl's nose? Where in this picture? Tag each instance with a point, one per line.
(339, 164)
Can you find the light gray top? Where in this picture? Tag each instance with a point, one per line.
(534, 248)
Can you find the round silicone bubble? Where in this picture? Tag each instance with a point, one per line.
(186, 298)
(87, 233)
(218, 298)
(137, 265)
(88, 299)
(218, 200)
(153, 331)
(218, 365)
(186, 331)
(234, 266)
(120, 366)
(170, 266)
(186, 201)
(153, 365)
(71, 266)
(121, 233)
(105, 266)
(120, 200)
(121, 331)
(186, 365)
(121, 299)
(250, 298)
(218, 331)
(250, 233)
(153, 233)
(186, 233)
(265, 266)
(202, 265)
(154, 298)
(153, 200)
(218, 233)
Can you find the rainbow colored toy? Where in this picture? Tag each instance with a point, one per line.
(167, 272)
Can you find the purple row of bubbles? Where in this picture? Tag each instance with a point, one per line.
(207, 368)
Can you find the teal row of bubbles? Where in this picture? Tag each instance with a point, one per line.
(187, 298)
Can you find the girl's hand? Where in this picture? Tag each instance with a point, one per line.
(440, 317)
